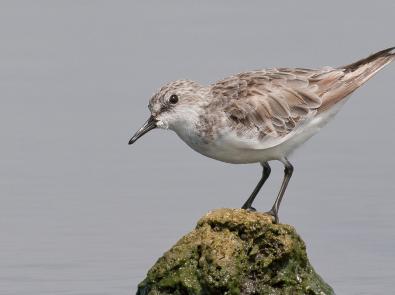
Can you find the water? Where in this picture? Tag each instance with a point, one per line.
(84, 213)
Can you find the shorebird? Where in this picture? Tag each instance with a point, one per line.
(258, 116)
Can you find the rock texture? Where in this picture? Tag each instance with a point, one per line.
(233, 251)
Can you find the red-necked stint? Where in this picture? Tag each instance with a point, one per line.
(258, 116)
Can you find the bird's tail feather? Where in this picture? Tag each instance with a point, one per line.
(356, 74)
(364, 69)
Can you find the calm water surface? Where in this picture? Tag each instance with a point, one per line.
(82, 212)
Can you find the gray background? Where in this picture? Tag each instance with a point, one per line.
(84, 213)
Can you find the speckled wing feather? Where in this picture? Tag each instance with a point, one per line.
(269, 105)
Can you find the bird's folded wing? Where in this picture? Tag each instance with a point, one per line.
(269, 106)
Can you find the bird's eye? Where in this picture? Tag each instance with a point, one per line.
(173, 99)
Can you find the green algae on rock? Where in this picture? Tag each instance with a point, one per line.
(234, 251)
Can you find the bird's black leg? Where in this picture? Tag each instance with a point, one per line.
(288, 170)
(265, 175)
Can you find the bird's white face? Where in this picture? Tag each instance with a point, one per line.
(167, 108)
(176, 106)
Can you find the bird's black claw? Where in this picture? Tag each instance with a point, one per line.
(273, 213)
(249, 208)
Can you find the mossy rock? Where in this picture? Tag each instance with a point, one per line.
(234, 251)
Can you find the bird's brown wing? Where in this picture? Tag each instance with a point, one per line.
(269, 105)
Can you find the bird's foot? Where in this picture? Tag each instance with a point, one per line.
(273, 212)
(248, 208)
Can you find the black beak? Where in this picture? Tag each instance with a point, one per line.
(149, 125)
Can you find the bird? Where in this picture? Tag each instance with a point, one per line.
(258, 116)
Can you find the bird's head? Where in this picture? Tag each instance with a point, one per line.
(175, 106)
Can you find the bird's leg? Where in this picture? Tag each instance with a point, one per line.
(265, 175)
(288, 170)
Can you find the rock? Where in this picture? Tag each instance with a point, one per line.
(234, 251)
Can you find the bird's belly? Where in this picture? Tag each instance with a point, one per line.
(239, 151)
(234, 150)
(235, 155)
